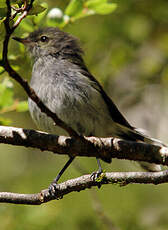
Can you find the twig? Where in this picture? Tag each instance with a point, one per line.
(21, 9)
(84, 182)
(18, 21)
(25, 9)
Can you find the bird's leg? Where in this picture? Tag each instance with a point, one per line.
(96, 174)
(53, 185)
(100, 170)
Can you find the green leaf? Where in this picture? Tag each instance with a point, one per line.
(40, 18)
(94, 3)
(106, 8)
(101, 6)
(22, 106)
(74, 8)
(80, 8)
(37, 9)
(4, 121)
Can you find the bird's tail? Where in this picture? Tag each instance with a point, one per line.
(151, 167)
(134, 134)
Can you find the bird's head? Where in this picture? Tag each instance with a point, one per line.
(48, 41)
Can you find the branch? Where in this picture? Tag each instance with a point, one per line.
(104, 148)
(84, 182)
(30, 92)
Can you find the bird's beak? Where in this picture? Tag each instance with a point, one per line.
(25, 41)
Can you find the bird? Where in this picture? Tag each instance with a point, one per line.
(61, 79)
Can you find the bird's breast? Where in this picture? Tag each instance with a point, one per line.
(72, 96)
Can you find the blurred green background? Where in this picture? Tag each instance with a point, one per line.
(127, 51)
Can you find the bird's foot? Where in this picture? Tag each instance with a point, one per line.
(53, 188)
(95, 177)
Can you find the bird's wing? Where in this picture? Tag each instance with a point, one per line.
(113, 110)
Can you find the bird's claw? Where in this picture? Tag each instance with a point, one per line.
(95, 175)
(53, 189)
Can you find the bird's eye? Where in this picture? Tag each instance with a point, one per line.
(44, 39)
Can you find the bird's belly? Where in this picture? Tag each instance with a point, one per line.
(81, 108)
(82, 118)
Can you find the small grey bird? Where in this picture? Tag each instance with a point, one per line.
(65, 85)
